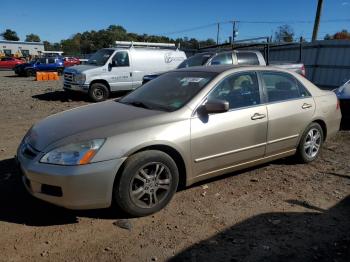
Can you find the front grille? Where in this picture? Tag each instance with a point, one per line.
(68, 77)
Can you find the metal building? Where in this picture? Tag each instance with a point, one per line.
(327, 62)
(20, 48)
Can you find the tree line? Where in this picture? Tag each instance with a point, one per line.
(90, 41)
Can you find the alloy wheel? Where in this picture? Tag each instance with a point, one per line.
(150, 185)
(312, 142)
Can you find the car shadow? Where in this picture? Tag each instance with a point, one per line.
(18, 206)
(281, 236)
(64, 96)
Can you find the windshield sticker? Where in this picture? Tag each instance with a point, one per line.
(191, 79)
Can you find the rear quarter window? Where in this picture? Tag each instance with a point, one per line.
(247, 58)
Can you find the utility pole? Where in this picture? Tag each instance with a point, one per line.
(217, 35)
(233, 31)
(317, 20)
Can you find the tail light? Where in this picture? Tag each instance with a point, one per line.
(303, 72)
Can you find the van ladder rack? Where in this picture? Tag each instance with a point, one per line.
(146, 44)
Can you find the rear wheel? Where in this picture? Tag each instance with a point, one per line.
(310, 143)
(98, 92)
(30, 72)
(60, 71)
(148, 182)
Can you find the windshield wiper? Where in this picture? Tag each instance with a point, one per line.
(137, 104)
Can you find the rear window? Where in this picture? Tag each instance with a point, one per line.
(196, 60)
(247, 58)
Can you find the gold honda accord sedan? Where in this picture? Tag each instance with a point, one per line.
(180, 128)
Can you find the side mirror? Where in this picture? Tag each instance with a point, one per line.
(111, 64)
(214, 106)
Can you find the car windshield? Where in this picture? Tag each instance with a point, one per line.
(170, 91)
(196, 60)
(100, 57)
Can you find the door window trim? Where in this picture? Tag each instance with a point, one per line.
(205, 98)
(264, 91)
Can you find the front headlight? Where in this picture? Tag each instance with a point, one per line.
(73, 154)
(80, 78)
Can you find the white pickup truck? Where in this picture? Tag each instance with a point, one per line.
(233, 57)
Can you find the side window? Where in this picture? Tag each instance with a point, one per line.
(222, 59)
(240, 90)
(281, 86)
(247, 58)
(121, 59)
(42, 61)
(51, 60)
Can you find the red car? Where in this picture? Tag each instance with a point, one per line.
(71, 61)
(9, 62)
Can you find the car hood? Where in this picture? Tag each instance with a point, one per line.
(80, 68)
(88, 122)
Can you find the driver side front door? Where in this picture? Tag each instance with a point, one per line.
(120, 74)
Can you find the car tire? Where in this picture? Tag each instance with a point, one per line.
(310, 143)
(146, 184)
(59, 71)
(29, 72)
(98, 92)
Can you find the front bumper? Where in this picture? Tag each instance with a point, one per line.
(76, 87)
(74, 187)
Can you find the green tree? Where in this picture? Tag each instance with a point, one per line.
(284, 33)
(32, 38)
(9, 34)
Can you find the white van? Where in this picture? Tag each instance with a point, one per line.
(121, 68)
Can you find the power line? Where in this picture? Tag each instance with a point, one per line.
(253, 22)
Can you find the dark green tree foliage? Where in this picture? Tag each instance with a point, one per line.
(9, 34)
(32, 38)
(90, 41)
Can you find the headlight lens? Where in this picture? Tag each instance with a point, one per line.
(73, 154)
(80, 78)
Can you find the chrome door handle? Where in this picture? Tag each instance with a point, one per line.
(257, 116)
(306, 105)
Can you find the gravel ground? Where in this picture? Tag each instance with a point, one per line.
(280, 211)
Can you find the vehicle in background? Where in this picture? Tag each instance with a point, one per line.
(343, 94)
(233, 57)
(70, 61)
(50, 64)
(185, 126)
(121, 68)
(9, 62)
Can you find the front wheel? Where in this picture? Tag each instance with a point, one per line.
(98, 92)
(310, 143)
(147, 183)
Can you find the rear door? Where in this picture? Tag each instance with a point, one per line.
(120, 76)
(227, 139)
(290, 108)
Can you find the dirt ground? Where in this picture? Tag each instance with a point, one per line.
(280, 211)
